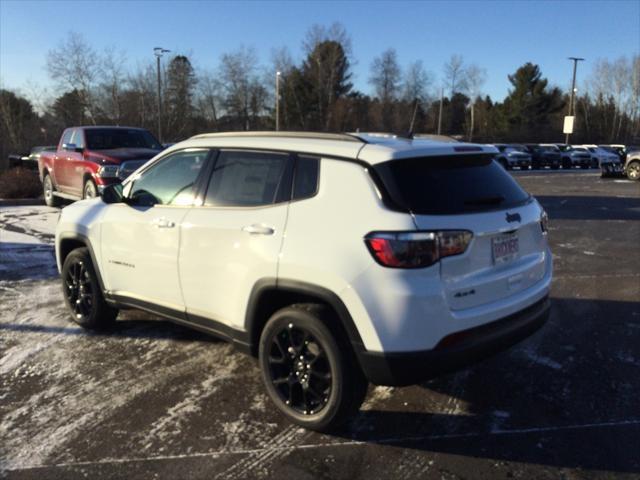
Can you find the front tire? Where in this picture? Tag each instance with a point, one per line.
(82, 293)
(311, 376)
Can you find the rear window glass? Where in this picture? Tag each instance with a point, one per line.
(450, 185)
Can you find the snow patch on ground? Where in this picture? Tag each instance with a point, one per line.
(171, 424)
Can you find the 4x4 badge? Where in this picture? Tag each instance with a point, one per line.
(513, 217)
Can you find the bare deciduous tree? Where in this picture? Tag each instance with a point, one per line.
(73, 65)
(112, 74)
(417, 82)
(455, 75)
(475, 78)
(209, 97)
(245, 96)
(386, 76)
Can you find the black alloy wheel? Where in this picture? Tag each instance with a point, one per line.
(309, 368)
(299, 370)
(82, 292)
(79, 290)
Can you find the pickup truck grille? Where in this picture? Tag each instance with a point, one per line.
(128, 167)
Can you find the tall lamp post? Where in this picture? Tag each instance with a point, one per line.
(158, 52)
(572, 106)
(277, 101)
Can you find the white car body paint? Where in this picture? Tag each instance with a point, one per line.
(207, 265)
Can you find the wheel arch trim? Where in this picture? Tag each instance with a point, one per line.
(264, 286)
(79, 237)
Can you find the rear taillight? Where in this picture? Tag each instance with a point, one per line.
(416, 249)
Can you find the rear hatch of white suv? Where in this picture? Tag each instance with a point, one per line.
(490, 232)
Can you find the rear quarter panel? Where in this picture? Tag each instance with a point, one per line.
(324, 239)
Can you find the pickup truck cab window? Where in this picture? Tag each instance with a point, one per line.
(66, 137)
(78, 138)
(112, 138)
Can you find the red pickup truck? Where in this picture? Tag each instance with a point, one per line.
(88, 159)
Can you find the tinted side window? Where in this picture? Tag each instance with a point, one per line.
(305, 183)
(246, 179)
(171, 181)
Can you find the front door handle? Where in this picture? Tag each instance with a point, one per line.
(257, 229)
(163, 223)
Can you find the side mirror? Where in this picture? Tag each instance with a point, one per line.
(113, 194)
(69, 146)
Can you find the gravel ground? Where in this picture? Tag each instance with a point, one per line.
(154, 400)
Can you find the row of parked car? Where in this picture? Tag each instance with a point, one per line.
(611, 159)
(87, 159)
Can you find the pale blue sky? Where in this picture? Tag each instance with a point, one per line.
(497, 35)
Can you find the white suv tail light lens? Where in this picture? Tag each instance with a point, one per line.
(416, 249)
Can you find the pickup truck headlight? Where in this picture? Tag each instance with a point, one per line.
(108, 171)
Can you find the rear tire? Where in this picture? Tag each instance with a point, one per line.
(82, 292)
(311, 376)
(47, 191)
(89, 190)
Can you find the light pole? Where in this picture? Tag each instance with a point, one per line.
(277, 101)
(158, 52)
(572, 106)
(440, 111)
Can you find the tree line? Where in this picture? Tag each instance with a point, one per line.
(316, 93)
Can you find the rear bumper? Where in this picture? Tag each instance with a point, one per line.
(456, 351)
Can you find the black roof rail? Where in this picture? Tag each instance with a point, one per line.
(345, 137)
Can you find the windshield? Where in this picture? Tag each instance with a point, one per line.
(452, 184)
(112, 138)
(549, 148)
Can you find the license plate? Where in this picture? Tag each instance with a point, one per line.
(505, 248)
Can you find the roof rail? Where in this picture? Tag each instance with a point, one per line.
(346, 137)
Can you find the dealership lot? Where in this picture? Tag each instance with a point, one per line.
(153, 399)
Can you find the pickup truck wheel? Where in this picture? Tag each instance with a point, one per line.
(633, 171)
(82, 293)
(310, 376)
(47, 191)
(90, 190)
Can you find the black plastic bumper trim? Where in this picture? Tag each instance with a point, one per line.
(409, 368)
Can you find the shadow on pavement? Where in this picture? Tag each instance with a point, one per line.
(565, 397)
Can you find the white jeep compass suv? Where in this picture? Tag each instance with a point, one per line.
(336, 259)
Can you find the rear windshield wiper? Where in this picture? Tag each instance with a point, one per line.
(495, 200)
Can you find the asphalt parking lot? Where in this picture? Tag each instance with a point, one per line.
(154, 400)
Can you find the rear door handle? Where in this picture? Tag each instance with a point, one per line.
(163, 223)
(257, 229)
